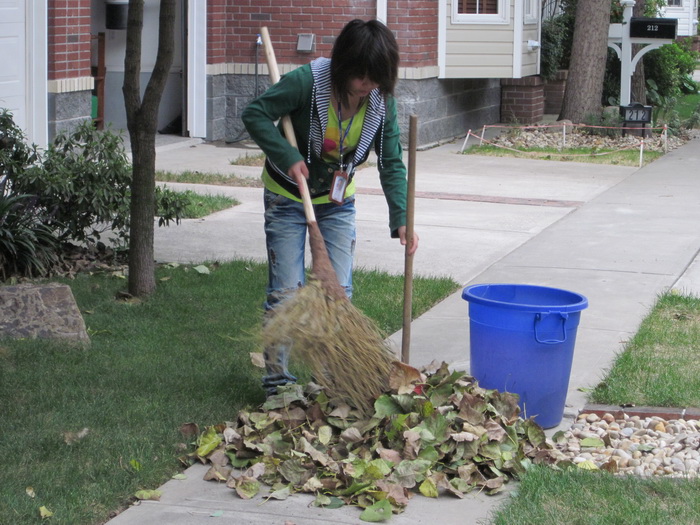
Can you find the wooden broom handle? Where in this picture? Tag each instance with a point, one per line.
(286, 122)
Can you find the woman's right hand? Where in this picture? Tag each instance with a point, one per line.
(297, 170)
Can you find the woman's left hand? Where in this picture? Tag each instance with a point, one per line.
(414, 242)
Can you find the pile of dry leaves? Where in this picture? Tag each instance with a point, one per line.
(435, 432)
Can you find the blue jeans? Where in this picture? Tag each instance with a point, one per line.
(285, 233)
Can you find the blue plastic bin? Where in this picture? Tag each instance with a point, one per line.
(522, 341)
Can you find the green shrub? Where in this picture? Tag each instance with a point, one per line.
(28, 247)
(83, 180)
(73, 193)
(555, 34)
(608, 122)
(671, 68)
(15, 154)
(171, 205)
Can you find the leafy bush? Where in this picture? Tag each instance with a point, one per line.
(27, 243)
(671, 68)
(74, 192)
(608, 124)
(28, 246)
(171, 205)
(15, 154)
(555, 33)
(83, 180)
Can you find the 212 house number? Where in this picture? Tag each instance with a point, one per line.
(637, 115)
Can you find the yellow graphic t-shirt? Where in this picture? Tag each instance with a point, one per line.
(330, 151)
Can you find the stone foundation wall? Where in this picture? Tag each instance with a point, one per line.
(68, 110)
(445, 108)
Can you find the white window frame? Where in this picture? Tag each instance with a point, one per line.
(531, 10)
(668, 4)
(503, 16)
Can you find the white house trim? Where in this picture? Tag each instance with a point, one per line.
(197, 68)
(382, 11)
(37, 72)
(442, 37)
(503, 16)
(70, 85)
(518, 40)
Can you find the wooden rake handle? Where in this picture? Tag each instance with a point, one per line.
(286, 122)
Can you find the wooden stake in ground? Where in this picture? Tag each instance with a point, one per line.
(408, 259)
(341, 346)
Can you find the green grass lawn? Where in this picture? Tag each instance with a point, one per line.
(180, 356)
(599, 156)
(687, 105)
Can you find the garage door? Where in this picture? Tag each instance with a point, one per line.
(13, 75)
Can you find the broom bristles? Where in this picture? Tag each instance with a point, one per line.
(341, 346)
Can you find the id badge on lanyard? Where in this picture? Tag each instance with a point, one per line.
(338, 186)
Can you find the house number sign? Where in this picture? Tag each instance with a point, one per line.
(653, 27)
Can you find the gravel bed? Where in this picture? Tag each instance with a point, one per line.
(642, 447)
(552, 137)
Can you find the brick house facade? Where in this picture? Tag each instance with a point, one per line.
(69, 63)
(231, 64)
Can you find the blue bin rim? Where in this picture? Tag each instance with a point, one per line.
(578, 301)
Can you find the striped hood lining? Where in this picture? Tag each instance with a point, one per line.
(320, 99)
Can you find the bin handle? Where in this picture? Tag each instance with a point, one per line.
(539, 317)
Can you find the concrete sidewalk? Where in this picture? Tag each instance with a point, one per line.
(618, 235)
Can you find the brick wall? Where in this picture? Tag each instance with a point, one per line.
(69, 39)
(554, 93)
(522, 100)
(217, 30)
(414, 23)
(237, 24)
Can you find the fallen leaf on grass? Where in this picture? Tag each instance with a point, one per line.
(257, 359)
(45, 513)
(201, 269)
(189, 430)
(30, 492)
(74, 437)
(179, 476)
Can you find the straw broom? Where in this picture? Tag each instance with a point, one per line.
(342, 347)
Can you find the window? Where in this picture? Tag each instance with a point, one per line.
(480, 11)
(531, 12)
(478, 7)
(674, 3)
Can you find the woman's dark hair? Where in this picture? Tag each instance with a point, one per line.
(364, 49)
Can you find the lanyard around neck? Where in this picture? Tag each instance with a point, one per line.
(342, 135)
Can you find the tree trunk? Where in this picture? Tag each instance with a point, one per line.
(584, 86)
(639, 88)
(142, 123)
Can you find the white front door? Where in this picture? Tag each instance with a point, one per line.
(13, 74)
